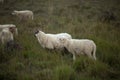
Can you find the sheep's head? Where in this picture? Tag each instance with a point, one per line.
(39, 33)
(14, 12)
(13, 30)
(36, 33)
(63, 40)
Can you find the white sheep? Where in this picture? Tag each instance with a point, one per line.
(6, 35)
(7, 26)
(11, 27)
(65, 35)
(50, 41)
(79, 46)
(23, 15)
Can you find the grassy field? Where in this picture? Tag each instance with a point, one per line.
(98, 20)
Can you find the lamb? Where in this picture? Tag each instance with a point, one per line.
(6, 35)
(23, 15)
(11, 27)
(50, 41)
(80, 46)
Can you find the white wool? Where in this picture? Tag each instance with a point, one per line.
(7, 26)
(5, 35)
(46, 41)
(51, 41)
(79, 46)
(23, 15)
(65, 35)
(10, 26)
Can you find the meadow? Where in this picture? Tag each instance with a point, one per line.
(98, 20)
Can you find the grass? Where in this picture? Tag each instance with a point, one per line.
(81, 19)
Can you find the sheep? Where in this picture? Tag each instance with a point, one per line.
(7, 26)
(11, 27)
(6, 35)
(23, 15)
(46, 41)
(50, 41)
(65, 35)
(79, 46)
(57, 36)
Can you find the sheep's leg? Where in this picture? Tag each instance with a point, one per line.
(16, 31)
(89, 55)
(20, 19)
(74, 58)
(2, 39)
(12, 37)
(32, 17)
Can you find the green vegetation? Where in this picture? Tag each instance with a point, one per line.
(98, 20)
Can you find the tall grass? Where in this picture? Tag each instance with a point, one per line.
(81, 19)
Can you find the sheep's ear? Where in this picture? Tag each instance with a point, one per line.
(2, 33)
(15, 11)
(37, 32)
